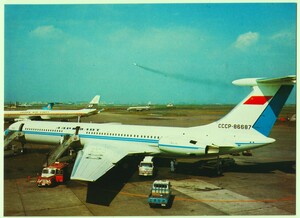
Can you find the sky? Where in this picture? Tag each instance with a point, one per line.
(140, 53)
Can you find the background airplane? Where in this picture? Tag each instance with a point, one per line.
(138, 108)
(101, 146)
(24, 105)
(47, 113)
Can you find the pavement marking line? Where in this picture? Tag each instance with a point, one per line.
(213, 200)
(134, 195)
(232, 201)
(221, 199)
(17, 182)
(224, 200)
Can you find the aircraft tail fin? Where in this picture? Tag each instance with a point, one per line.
(260, 109)
(94, 102)
(48, 107)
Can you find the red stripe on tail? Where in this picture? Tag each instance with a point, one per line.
(258, 100)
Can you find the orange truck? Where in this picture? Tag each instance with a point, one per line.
(54, 174)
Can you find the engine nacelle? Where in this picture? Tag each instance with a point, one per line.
(186, 146)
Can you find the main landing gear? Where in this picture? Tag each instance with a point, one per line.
(212, 166)
(215, 166)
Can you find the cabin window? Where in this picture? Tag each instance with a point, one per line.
(193, 142)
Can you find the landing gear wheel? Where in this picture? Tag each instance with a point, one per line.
(219, 167)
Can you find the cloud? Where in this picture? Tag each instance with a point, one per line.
(62, 41)
(160, 39)
(172, 39)
(284, 37)
(47, 32)
(246, 40)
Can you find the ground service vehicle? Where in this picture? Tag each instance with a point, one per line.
(12, 150)
(53, 174)
(146, 167)
(160, 194)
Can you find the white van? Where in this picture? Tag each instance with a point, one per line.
(146, 167)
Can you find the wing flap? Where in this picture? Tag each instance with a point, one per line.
(98, 157)
(94, 161)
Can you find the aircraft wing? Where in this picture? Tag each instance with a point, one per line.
(94, 160)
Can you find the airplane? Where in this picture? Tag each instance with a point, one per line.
(11, 106)
(170, 105)
(49, 106)
(48, 113)
(244, 128)
(138, 108)
(24, 105)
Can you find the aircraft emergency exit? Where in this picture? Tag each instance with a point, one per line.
(246, 127)
(48, 113)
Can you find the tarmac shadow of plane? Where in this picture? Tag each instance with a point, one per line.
(198, 169)
(269, 167)
(106, 188)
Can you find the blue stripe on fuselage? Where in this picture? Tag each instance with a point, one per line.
(249, 143)
(180, 146)
(44, 133)
(114, 138)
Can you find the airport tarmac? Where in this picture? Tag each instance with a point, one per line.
(262, 184)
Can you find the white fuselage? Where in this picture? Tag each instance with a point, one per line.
(138, 108)
(48, 114)
(173, 141)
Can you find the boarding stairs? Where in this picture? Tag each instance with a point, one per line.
(14, 136)
(57, 152)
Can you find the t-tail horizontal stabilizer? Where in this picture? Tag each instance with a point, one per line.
(260, 109)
